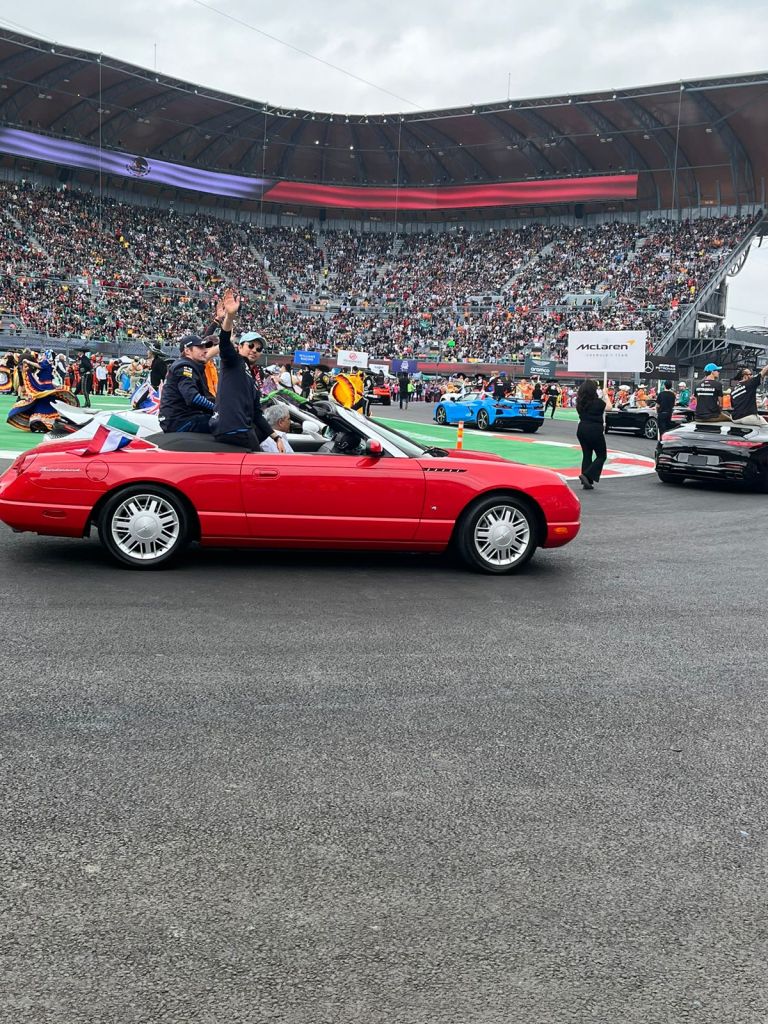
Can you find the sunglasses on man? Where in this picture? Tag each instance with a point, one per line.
(253, 344)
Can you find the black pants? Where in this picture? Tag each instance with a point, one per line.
(191, 424)
(593, 450)
(403, 398)
(86, 383)
(551, 404)
(664, 424)
(241, 439)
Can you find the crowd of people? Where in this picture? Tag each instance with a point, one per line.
(76, 266)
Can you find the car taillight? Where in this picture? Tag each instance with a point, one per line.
(669, 437)
(742, 444)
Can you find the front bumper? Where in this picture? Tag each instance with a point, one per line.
(560, 533)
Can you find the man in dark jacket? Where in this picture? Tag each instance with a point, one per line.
(86, 377)
(239, 419)
(158, 368)
(665, 404)
(186, 404)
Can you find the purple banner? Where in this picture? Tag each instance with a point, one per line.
(75, 154)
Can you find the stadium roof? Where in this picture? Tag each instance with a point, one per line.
(694, 143)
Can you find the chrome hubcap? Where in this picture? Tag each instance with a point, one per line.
(145, 526)
(502, 535)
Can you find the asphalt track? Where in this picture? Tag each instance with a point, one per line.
(302, 789)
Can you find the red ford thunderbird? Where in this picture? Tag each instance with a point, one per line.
(350, 484)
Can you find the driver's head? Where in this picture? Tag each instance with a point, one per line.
(278, 416)
(193, 347)
(251, 346)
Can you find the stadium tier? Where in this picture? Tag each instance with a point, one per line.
(78, 266)
(476, 233)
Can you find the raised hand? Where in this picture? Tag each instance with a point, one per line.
(229, 302)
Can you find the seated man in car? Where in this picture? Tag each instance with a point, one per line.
(744, 398)
(186, 403)
(278, 416)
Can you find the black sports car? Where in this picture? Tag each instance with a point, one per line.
(714, 451)
(643, 421)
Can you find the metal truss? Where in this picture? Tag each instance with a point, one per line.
(741, 165)
(686, 323)
(665, 140)
(576, 159)
(538, 160)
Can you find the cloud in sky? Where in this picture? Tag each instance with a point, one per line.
(430, 53)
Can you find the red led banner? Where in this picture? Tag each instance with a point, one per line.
(510, 193)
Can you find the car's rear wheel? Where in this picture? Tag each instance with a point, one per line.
(530, 428)
(497, 535)
(144, 527)
(483, 420)
(651, 429)
(669, 478)
(440, 415)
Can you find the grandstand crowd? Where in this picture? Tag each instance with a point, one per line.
(73, 266)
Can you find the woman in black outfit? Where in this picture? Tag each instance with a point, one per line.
(591, 432)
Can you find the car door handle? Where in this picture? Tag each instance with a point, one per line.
(267, 472)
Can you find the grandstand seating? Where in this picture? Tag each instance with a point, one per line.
(72, 266)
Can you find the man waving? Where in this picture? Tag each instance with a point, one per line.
(238, 419)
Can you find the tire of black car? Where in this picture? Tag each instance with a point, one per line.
(483, 420)
(669, 478)
(488, 512)
(151, 508)
(651, 429)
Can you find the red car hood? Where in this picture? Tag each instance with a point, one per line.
(456, 453)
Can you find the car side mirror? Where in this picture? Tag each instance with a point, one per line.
(374, 448)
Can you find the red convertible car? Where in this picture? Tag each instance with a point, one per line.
(351, 483)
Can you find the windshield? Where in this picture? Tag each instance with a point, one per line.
(411, 448)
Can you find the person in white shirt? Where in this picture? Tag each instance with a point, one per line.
(286, 379)
(278, 416)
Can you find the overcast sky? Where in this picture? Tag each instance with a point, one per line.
(421, 54)
(431, 53)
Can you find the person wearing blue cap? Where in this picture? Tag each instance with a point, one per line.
(709, 396)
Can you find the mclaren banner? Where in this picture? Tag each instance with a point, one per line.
(611, 351)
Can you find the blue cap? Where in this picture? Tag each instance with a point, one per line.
(711, 366)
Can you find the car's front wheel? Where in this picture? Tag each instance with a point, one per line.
(483, 420)
(144, 527)
(651, 429)
(440, 415)
(497, 535)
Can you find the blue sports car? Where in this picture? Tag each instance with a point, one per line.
(486, 413)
